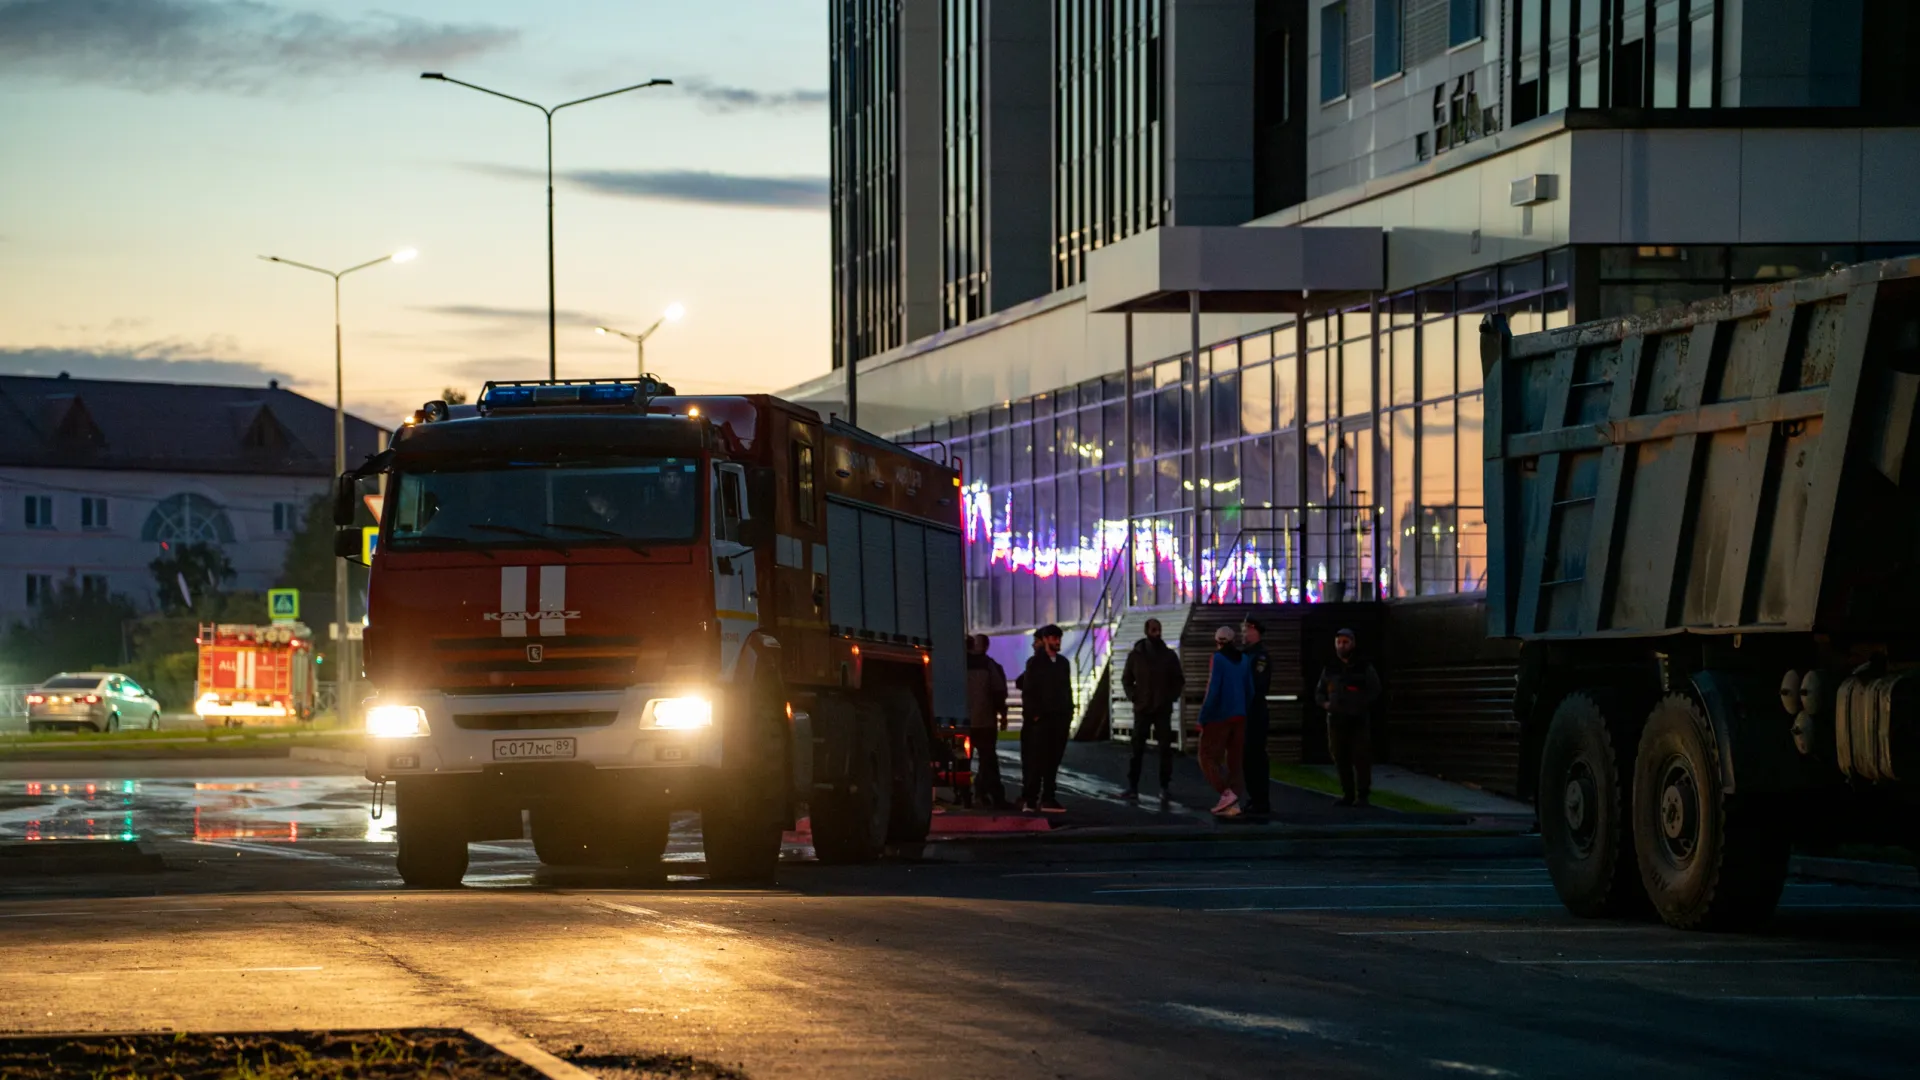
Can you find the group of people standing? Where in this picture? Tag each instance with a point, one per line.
(1233, 717)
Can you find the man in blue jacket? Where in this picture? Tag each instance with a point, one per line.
(1223, 719)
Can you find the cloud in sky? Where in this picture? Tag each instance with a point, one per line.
(689, 186)
(158, 45)
(529, 316)
(725, 99)
(158, 362)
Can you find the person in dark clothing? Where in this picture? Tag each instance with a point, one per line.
(986, 711)
(1346, 692)
(1046, 706)
(1253, 757)
(1152, 681)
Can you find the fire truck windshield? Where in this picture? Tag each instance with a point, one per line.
(574, 502)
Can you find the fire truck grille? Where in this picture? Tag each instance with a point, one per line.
(531, 721)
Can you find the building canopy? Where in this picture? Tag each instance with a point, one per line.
(1236, 270)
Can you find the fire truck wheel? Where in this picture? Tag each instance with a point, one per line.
(431, 837)
(912, 816)
(850, 823)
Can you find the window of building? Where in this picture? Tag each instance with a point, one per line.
(93, 513)
(1386, 38)
(186, 518)
(286, 518)
(1463, 21)
(1666, 54)
(39, 512)
(1333, 52)
(39, 590)
(93, 586)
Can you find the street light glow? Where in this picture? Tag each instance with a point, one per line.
(599, 329)
(406, 255)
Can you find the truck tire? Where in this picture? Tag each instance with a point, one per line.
(432, 837)
(1709, 860)
(1586, 821)
(850, 823)
(573, 836)
(912, 817)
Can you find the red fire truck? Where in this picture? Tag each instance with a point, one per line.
(602, 602)
(255, 674)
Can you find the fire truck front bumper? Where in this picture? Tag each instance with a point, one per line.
(642, 727)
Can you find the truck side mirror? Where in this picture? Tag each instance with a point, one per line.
(346, 544)
(346, 496)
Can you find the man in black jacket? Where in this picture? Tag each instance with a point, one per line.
(1346, 693)
(1046, 707)
(1152, 681)
(1254, 757)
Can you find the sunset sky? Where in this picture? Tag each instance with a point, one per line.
(151, 149)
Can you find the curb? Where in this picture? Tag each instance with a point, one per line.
(1323, 847)
(528, 1054)
(1855, 871)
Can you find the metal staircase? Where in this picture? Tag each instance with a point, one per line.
(1092, 654)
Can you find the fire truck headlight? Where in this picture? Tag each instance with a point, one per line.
(679, 713)
(396, 721)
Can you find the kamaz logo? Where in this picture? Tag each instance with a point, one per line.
(528, 616)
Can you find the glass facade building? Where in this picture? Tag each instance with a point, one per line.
(864, 105)
(1109, 179)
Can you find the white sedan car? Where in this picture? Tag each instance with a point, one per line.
(91, 701)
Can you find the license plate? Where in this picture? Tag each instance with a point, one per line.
(531, 749)
(672, 753)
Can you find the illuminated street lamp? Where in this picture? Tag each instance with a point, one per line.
(553, 341)
(672, 314)
(343, 682)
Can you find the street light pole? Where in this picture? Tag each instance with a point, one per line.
(672, 314)
(553, 337)
(343, 681)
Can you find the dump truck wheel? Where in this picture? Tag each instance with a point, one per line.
(912, 817)
(850, 823)
(431, 835)
(1586, 824)
(1709, 860)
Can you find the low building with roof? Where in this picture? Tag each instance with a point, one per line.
(97, 475)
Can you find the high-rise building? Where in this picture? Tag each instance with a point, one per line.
(1250, 375)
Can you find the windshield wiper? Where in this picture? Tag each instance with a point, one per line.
(596, 530)
(528, 533)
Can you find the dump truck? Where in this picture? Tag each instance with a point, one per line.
(1704, 529)
(601, 602)
(254, 675)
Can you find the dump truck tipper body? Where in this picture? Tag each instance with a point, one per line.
(1704, 527)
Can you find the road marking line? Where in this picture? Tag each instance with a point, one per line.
(1239, 1021)
(1500, 930)
(1821, 997)
(1713, 960)
(1469, 1068)
(630, 909)
(1304, 888)
(175, 971)
(95, 914)
(1389, 907)
(269, 849)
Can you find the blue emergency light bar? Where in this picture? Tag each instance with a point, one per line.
(537, 394)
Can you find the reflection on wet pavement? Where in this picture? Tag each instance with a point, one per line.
(289, 809)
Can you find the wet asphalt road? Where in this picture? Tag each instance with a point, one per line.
(280, 908)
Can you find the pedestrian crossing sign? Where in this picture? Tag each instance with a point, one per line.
(369, 542)
(283, 604)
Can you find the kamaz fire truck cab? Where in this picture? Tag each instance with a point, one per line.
(566, 617)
